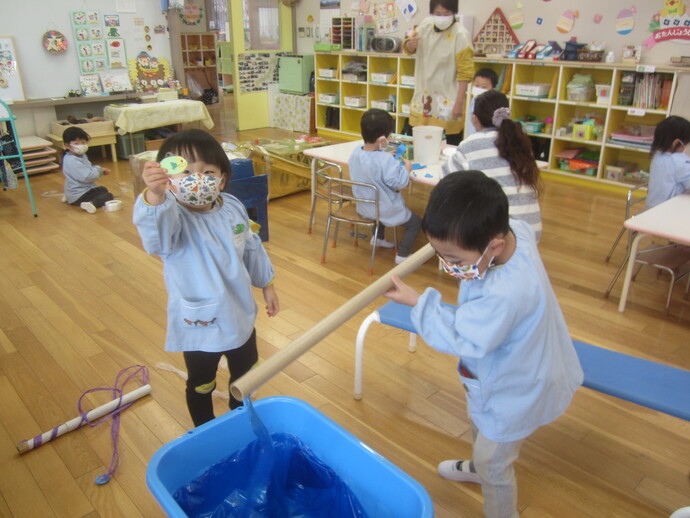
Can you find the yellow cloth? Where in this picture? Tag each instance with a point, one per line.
(130, 118)
(443, 60)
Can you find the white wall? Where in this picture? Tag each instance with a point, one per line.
(550, 11)
(48, 75)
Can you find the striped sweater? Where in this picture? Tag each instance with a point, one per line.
(479, 152)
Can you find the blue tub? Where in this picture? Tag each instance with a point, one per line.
(383, 489)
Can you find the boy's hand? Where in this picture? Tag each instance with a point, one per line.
(271, 298)
(402, 293)
(105, 171)
(408, 165)
(156, 179)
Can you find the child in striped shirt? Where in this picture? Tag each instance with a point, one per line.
(501, 150)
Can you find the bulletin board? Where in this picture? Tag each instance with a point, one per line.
(11, 88)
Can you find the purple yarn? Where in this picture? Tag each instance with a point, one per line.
(123, 377)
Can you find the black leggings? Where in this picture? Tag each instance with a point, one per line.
(201, 380)
(98, 196)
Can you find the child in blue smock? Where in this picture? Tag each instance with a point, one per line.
(371, 163)
(80, 175)
(669, 172)
(517, 361)
(211, 261)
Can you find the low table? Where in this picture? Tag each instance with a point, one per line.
(95, 140)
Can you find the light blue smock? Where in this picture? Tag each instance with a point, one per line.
(389, 175)
(80, 175)
(211, 260)
(669, 176)
(510, 334)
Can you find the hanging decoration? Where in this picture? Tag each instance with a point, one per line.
(55, 42)
(625, 21)
(191, 14)
(567, 21)
(516, 17)
(672, 23)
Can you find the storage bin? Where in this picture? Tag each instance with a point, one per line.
(583, 132)
(532, 126)
(382, 489)
(407, 80)
(327, 98)
(356, 100)
(603, 93)
(383, 104)
(382, 77)
(94, 126)
(533, 89)
(354, 76)
(405, 109)
(124, 145)
(330, 73)
(589, 55)
(580, 93)
(618, 170)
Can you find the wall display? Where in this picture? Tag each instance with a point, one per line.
(116, 81)
(90, 43)
(625, 21)
(567, 21)
(191, 14)
(408, 8)
(516, 17)
(671, 23)
(117, 55)
(256, 71)
(55, 42)
(11, 88)
(149, 73)
(90, 84)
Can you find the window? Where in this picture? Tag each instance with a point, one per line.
(261, 24)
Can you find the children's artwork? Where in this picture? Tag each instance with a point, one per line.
(567, 21)
(672, 23)
(111, 20)
(87, 66)
(387, 25)
(98, 49)
(90, 84)
(597, 18)
(363, 6)
(257, 70)
(625, 21)
(81, 34)
(55, 42)
(11, 88)
(116, 53)
(159, 29)
(191, 14)
(517, 18)
(116, 81)
(92, 18)
(96, 33)
(85, 50)
(148, 72)
(407, 7)
(78, 18)
(91, 47)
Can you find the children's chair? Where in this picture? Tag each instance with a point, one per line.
(321, 171)
(252, 191)
(342, 207)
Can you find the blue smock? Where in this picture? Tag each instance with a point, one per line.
(80, 175)
(669, 176)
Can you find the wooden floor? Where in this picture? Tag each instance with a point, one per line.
(80, 300)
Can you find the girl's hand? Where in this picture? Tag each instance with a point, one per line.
(271, 298)
(402, 293)
(156, 179)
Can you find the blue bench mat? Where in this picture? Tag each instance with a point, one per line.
(647, 383)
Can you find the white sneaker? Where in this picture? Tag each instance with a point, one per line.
(88, 207)
(399, 259)
(449, 469)
(381, 243)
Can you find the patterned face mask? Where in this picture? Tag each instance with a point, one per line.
(196, 189)
(468, 272)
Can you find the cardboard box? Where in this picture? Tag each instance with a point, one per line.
(95, 126)
(327, 98)
(532, 89)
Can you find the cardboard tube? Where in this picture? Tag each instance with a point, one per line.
(273, 365)
(75, 423)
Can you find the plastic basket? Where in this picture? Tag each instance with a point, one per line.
(590, 55)
(383, 489)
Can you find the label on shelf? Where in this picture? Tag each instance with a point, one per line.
(646, 68)
(637, 112)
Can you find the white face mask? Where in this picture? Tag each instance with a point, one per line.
(443, 22)
(476, 90)
(79, 149)
(383, 143)
(196, 189)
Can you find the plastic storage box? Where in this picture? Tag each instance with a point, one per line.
(354, 76)
(330, 73)
(124, 145)
(327, 98)
(532, 126)
(382, 77)
(383, 104)
(580, 93)
(532, 89)
(407, 80)
(383, 489)
(357, 101)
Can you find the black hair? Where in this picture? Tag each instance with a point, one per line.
(376, 123)
(513, 143)
(73, 133)
(668, 131)
(451, 5)
(489, 74)
(196, 145)
(468, 209)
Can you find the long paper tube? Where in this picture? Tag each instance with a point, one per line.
(91, 415)
(273, 365)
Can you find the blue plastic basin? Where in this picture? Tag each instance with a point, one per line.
(383, 489)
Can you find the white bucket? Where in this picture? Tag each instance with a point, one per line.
(427, 144)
